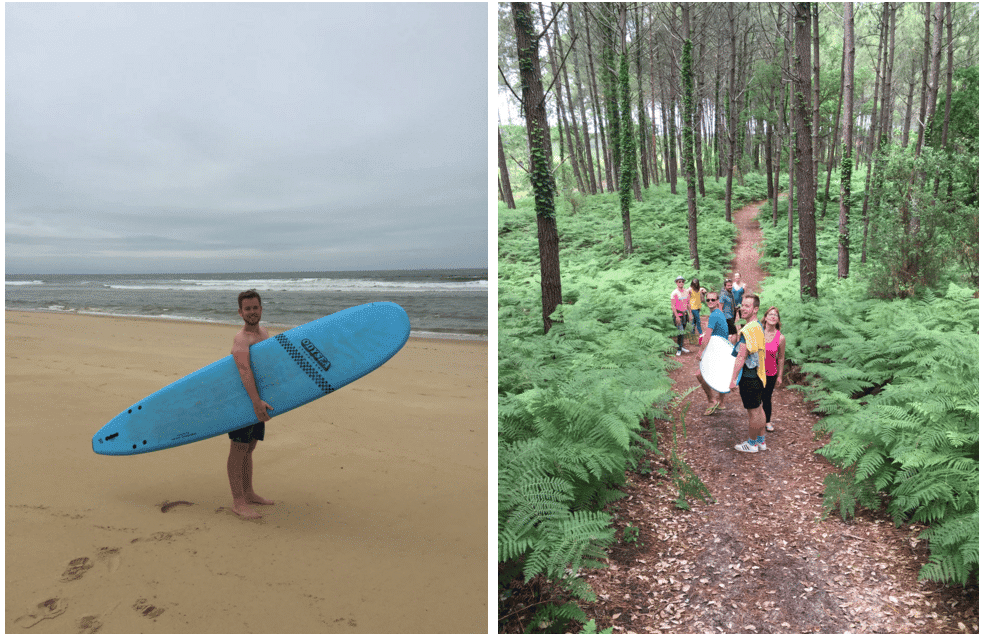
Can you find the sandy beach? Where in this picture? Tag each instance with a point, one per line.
(380, 522)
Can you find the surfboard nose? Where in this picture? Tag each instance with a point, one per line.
(396, 315)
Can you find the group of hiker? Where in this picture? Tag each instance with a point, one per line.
(758, 349)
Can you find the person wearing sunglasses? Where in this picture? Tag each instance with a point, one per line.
(716, 327)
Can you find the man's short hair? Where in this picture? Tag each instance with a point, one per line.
(757, 302)
(250, 294)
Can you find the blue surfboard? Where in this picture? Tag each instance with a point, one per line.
(291, 369)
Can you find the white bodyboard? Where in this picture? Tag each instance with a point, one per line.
(717, 364)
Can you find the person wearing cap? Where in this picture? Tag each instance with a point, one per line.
(679, 300)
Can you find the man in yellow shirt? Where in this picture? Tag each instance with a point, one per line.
(749, 370)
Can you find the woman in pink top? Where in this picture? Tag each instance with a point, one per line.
(774, 360)
(679, 299)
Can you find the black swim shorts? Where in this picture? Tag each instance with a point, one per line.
(249, 433)
(751, 389)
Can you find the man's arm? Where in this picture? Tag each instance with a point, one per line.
(706, 339)
(240, 354)
(738, 365)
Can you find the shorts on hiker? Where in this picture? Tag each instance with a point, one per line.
(751, 390)
(683, 321)
(249, 433)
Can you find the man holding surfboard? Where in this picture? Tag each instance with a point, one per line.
(244, 440)
(719, 354)
(749, 369)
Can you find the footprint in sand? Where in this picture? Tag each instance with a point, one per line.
(149, 611)
(81, 565)
(110, 557)
(45, 610)
(89, 625)
(76, 568)
(351, 622)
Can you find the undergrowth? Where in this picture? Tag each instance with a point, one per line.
(572, 402)
(897, 382)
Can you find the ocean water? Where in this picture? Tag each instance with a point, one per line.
(447, 303)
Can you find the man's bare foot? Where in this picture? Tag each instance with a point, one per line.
(242, 510)
(252, 498)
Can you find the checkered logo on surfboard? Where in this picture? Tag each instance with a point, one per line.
(302, 363)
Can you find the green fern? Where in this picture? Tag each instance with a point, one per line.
(898, 382)
(572, 402)
(955, 549)
(591, 628)
(555, 617)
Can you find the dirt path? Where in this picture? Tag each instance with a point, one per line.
(759, 559)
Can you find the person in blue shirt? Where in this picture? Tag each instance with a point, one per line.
(728, 304)
(716, 327)
(738, 289)
(738, 292)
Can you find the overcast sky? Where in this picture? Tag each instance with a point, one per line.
(222, 137)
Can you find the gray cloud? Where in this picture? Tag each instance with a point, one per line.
(215, 137)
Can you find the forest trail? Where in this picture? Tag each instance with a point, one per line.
(758, 559)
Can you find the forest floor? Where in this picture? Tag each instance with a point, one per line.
(759, 558)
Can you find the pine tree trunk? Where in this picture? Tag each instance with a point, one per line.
(801, 108)
(846, 172)
(832, 144)
(627, 153)
(503, 175)
(561, 111)
(815, 99)
(731, 115)
(600, 139)
(922, 120)
(698, 137)
(944, 144)
(906, 133)
(643, 156)
(588, 155)
(540, 158)
(609, 93)
(689, 166)
(792, 182)
(576, 146)
(868, 188)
